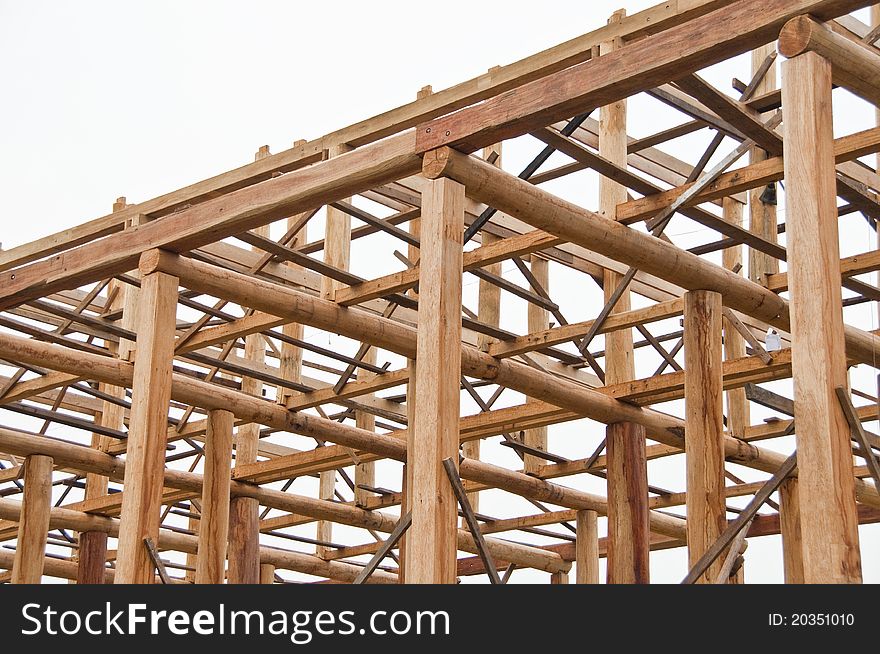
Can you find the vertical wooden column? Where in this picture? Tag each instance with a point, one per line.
(790, 528)
(267, 573)
(192, 558)
(587, 548)
(413, 253)
(244, 512)
(92, 554)
(538, 320)
(704, 428)
(557, 578)
(829, 523)
(214, 527)
(148, 428)
(365, 473)
(738, 418)
(762, 215)
(431, 540)
(628, 533)
(290, 364)
(33, 525)
(337, 253)
(489, 312)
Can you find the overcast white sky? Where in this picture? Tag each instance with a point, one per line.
(104, 99)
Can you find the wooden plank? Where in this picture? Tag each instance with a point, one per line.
(704, 427)
(754, 176)
(214, 523)
(636, 67)
(829, 527)
(33, 525)
(151, 392)
(565, 333)
(699, 568)
(157, 562)
(385, 548)
(470, 519)
(859, 435)
(431, 542)
(492, 251)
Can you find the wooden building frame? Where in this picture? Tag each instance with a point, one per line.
(171, 333)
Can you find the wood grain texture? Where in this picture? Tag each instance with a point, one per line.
(790, 528)
(855, 65)
(33, 525)
(829, 528)
(151, 393)
(728, 31)
(587, 548)
(734, 343)
(628, 532)
(762, 215)
(538, 319)
(431, 541)
(704, 429)
(214, 524)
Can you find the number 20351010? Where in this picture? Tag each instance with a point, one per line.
(811, 620)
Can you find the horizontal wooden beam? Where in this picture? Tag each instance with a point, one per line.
(634, 68)
(397, 337)
(215, 219)
(543, 210)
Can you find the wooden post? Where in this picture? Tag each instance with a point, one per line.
(214, 528)
(92, 553)
(244, 512)
(145, 459)
(790, 528)
(738, 415)
(734, 344)
(762, 214)
(365, 473)
(628, 534)
(337, 253)
(413, 254)
(559, 578)
(538, 320)
(192, 558)
(829, 524)
(704, 428)
(267, 573)
(431, 541)
(33, 526)
(587, 548)
(489, 312)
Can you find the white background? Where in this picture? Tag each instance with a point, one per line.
(105, 99)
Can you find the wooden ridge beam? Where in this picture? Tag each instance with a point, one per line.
(631, 69)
